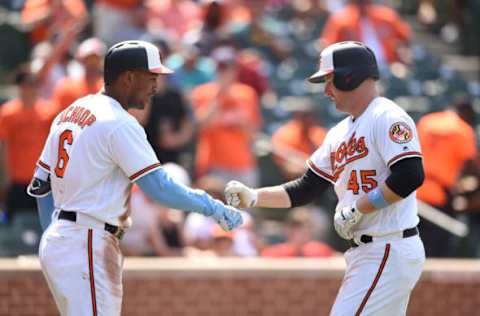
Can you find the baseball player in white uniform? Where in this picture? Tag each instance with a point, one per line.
(93, 154)
(373, 160)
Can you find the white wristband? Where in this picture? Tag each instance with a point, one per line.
(254, 197)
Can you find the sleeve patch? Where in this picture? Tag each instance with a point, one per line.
(400, 133)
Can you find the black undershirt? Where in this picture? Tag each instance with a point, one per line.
(406, 176)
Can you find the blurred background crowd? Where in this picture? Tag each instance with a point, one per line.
(238, 107)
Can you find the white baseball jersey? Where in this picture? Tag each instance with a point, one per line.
(94, 151)
(356, 155)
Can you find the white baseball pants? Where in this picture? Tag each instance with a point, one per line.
(83, 268)
(380, 277)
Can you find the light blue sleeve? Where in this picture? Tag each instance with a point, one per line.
(161, 188)
(45, 207)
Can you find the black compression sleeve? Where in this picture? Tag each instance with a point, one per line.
(304, 189)
(407, 176)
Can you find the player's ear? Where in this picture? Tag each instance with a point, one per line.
(128, 79)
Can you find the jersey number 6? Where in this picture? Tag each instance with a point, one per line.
(62, 161)
(366, 181)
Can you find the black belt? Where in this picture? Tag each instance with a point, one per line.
(365, 239)
(112, 229)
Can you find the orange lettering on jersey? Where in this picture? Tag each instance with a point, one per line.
(346, 153)
(73, 114)
(89, 121)
(83, 117)
(77, 115)
(63, 115)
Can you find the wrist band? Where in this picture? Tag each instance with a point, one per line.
(254, 198)
(377, 199)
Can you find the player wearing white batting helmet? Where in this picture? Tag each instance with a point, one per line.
(373, 160)
(93, 154)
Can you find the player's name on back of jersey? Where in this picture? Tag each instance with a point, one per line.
(77, 115)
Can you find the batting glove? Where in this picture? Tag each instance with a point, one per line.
(239, 195)
(345, 219)
(227, 217)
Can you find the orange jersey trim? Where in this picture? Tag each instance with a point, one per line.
(90, 267)
(404, 155)
(375, 281)
(43, 165)
(140, 173)
(319, 172)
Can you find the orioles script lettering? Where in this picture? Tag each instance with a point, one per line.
(348, 152)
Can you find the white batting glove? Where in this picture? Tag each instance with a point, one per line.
(345, 219)
(239, 195)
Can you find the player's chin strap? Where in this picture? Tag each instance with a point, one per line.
(40, 189)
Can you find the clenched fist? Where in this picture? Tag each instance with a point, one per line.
(345, 219)
(239, 195)
(227, 217)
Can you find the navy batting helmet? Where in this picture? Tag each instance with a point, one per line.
(131, 55)
(350, 62)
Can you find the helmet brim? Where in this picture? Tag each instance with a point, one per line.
(319, 76)
(161, 70)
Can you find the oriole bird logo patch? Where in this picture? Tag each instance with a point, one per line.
(400, 133)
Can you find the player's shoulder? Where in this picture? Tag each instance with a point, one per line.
(106, 108)
(386, 108)
(340, 126)
(114, 116)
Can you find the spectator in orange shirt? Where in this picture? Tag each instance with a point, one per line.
(228, 116)
(376, 25)
(300, 241)
(449, 146)
(24, 126)
(298, 138)
(90, 54)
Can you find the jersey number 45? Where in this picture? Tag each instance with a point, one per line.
(367, 182)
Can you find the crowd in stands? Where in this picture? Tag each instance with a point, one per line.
(238, 107)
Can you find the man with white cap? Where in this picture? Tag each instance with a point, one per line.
(94, 153)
